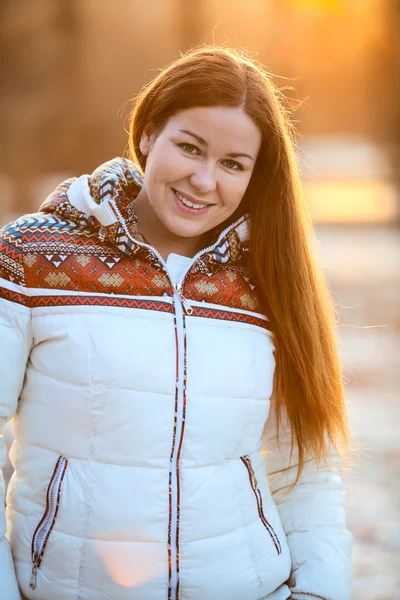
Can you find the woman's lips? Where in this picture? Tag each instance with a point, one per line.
(187, 209)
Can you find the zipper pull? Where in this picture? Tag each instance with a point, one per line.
(32, 583)
(186, 306)
(185, 303)
(178, 288)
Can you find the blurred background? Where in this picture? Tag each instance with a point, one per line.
(68, 70)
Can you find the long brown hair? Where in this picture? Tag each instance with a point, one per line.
(308, 382)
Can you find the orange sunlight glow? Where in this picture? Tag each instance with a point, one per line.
(315, 3)
(351, 201)
(130, 566)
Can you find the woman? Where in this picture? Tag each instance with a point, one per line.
(164, 323)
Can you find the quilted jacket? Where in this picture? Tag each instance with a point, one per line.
(146, 460)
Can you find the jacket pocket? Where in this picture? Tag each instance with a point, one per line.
(43, 530)
(256, 491)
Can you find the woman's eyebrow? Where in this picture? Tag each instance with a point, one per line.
(237, 154)
(204, 143)
(201, 140)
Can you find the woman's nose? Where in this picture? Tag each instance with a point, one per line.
(204, 178)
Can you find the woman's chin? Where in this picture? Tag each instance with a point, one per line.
(185, 230)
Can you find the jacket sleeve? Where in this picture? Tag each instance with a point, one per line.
(313, 518)
(15, 344)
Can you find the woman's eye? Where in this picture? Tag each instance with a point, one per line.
(189, 148)
(231, 164)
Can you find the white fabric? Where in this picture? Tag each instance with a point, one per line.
(105, 397)
(97, 385)
(177, 265)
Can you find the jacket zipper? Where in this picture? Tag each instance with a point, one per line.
(179, 427)
(46, 524)
(182, 307)
(256, 491)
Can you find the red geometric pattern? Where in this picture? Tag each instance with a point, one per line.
(63, 249)
(14, 296)
(85, 272)
(226, 315)
(61, 257)
(142, 303)
(89, 300)
(80, 263)
(227, 287)
(39, 301)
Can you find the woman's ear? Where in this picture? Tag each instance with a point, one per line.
(146, 141)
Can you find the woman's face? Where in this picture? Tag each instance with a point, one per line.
(198, 168)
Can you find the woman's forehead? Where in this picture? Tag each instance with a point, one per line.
(217, 125)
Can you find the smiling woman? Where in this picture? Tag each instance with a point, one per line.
(188, 189)
(172, 363)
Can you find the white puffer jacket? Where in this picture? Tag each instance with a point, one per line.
(139, 413)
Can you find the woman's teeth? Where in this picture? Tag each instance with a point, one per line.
(187, 202)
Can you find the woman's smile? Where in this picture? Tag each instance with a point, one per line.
(190, 205)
